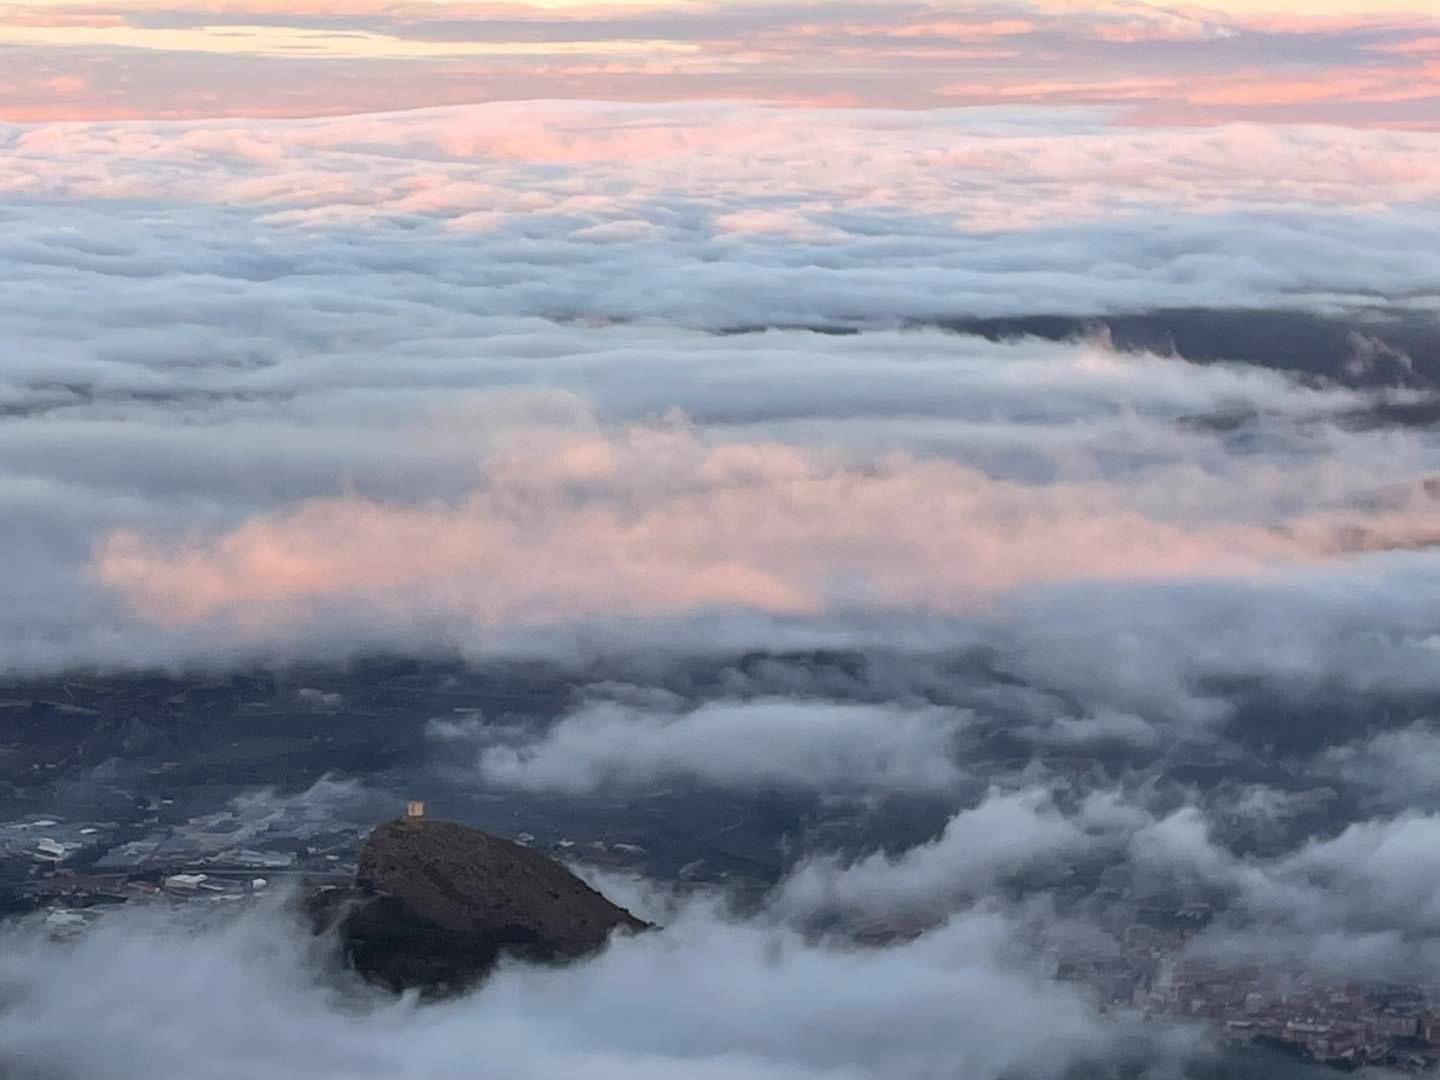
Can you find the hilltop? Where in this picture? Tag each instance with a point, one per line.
(435, 904)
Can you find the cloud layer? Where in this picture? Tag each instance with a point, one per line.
(708, 997)
(499, 379)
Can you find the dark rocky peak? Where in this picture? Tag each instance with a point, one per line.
(435, 905)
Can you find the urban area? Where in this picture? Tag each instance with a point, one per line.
(164, 791)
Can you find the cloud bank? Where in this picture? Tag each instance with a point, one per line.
(707, 997)
(258, 367)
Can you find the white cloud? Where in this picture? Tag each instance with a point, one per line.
(1006, 834)
(759, 743)
(1396, 768)
(916, 215)
(270, 353)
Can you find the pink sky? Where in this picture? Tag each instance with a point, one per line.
(1339, 61)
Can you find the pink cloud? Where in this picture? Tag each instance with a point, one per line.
(965, 29)
(1050, 89)
(1376, 85)
(656, 523)
(11, 15)
(1421, 45)
(67, 85)
(371, 55)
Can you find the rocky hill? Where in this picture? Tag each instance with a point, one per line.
(435, 904)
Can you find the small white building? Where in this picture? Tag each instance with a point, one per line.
(48, 850)
(184, 883)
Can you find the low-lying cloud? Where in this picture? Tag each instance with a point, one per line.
(656, 522)
(706, 996)
(782, 743)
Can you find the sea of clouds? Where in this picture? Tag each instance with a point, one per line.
(628, 385)
(237, 351)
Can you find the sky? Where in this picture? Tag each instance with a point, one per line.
(1345, 61)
